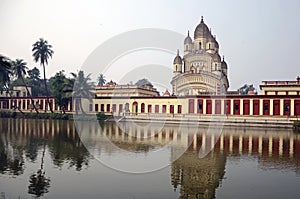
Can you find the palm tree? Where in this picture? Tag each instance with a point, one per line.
(19, 70)
(5, 70)
(5, 73)
(101, 80)
(41, 53)
(39, 184)
(82, 89)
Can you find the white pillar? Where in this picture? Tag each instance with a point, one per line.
(222, 106)
(292, 107)
(281, 107)
(45, 104)
(25, 104)
(213, 106)
(271, 106)
(241, 106)
(260, 106)
(251, 107)
(231, 107)
(204, 106)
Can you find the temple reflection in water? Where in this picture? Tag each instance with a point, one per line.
(191, 175)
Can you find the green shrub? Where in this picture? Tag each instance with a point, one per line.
(56, 116)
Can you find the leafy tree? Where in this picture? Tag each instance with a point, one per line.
(101, 80)
(19, 70)
(41, 53)
(59, 84)
(5, 76)
(5, 71)
(82, 89)
(144, 82)
(34, 80)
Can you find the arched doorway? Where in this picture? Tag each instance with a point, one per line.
(134, 107)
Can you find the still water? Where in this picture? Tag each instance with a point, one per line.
(58, 159)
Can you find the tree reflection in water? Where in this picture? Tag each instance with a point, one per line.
(38, 182)
(11, 158)
(23, 140)
(67, 148)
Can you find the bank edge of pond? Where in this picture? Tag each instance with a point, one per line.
(56, 116)
(103, 117)
(296, 126)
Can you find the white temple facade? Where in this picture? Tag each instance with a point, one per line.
(201, 70)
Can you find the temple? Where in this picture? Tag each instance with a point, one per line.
(199, 92)
(201, 69)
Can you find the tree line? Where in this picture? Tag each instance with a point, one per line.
(62, 88)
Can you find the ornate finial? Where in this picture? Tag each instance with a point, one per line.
(201, 18)
(223, 58)
(177, 52)
(188, 33)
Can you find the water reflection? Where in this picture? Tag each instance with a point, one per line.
(198, 178)
(24, 142)
(38, 182)
(21, 138)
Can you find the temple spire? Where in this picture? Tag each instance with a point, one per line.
(201, 18)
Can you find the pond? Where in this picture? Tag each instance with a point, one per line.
(67, 159)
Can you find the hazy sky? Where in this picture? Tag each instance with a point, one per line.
(260, 39)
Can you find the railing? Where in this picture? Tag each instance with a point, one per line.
(280, 83)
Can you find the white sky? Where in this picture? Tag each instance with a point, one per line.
(260, 39)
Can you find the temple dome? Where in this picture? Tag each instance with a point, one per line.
(177, 59)
(223, 64)
(202, 30)
(216, 57)
(188, 39)
(166, 93)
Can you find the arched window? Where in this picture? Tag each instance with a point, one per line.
(200, 45)
(208, 46)
(143, 108)
(193, 70)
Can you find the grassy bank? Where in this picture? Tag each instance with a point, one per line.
(56, 116)
(296, 126)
